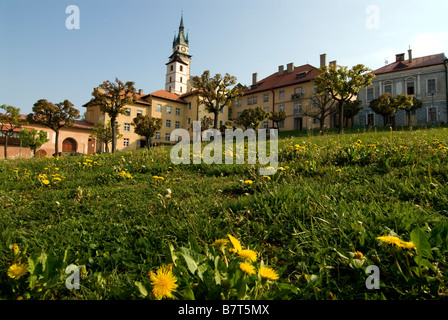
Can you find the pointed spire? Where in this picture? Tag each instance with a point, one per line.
(181, 27)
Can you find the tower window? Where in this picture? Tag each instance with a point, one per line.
(171, 68)
(180, 79)
(181, 68)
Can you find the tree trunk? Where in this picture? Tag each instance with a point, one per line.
(215, 121)
(56, 144)
(148, 141)
(341, 116)
(5, 152)
(114, 136)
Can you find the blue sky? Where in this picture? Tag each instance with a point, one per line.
(41, 59)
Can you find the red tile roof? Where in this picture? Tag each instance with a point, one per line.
(307, 73)
(167, 95)
(420, 62)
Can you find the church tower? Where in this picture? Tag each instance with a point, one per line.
(178, 67)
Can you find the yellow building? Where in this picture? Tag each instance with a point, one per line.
(177, 105)
(288, 89)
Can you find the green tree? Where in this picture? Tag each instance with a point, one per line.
(277, 116)
(351, 109)
(215, 92)
(411, 106)
(386, 106)
(103, 133)
(33, 139)
(322, 106)
(54, 116)
(9, 121)
(252, 117)
(112, 97)
(147, 127)
(342, 84)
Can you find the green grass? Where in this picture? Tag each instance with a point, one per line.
(335, 195)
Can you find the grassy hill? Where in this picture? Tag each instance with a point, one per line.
(315, 222)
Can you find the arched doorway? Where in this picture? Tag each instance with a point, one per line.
(41, 153)
(69, 145)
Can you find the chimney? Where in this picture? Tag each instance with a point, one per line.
(280, 69)
(399, 57)
(140, 91)
(290, 67)
(333, 63)
(254, 78)
(410, 55)
(323, 60)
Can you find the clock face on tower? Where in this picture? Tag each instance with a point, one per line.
(183, 49)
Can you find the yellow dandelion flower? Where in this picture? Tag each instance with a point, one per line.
(248, 181)
(248, 255)
(236, 244)
(267, 177)
(389, 239)
(163, 282)
(15, 271)
(268, 273)
(220, 243)
(338, 170)
(406, 245)
(247, 268)
(45, 181)
(358, 255)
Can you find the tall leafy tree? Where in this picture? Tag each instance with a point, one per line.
(9, 121)
(342, 84)
(147, 127)
(103, 132)
(112, 97)
(54, 116)
(351, 109)
(277, 116)
(322, 106)
(33, 139)
(252, 117)
(216, 92)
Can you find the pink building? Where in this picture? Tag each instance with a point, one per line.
(71, 139)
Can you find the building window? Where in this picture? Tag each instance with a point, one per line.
(168, 109)
(128, 112)
(369, 94)
(432, 114)
(177, 124)
(126, 142)
(265, 124)
(388, 89)
(181, 79)
(171, 68)
(297, 109)
(181, 68)
(168, 123)
(139, 113)
(431, 86)
(159, 108)
(266, 97)
(189, 105)
(188, 120)
(177, 111)
(281, 124)
(157, 135)
(238, 103)
(281, 107)
(167, 137)
(222, 110)
(252, 100)
(281, 94)
(410, 89)
(266, 109)
(127, 127)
